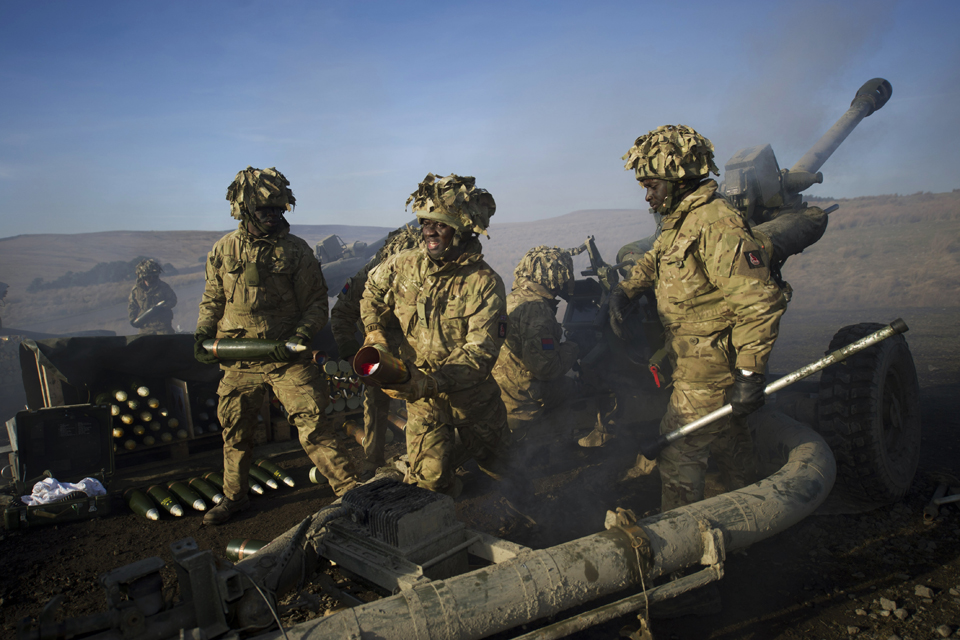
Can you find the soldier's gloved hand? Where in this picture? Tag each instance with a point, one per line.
(282, 354)
(419, 386)
(201, 354)
(374, 336)
(618, 308)
(747, 393)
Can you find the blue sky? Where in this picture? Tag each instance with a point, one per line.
(137, 115)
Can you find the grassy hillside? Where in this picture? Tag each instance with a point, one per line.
(878, 252)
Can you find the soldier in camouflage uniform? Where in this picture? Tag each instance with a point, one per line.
(719, 306)
(147, 293)
(451, 307)
(263, 282)
(533, 363)
(344, 322)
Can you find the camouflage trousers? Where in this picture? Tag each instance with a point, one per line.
(376, 407)
(444, 433)
(303, 393)
(703, 373)
(525, 408)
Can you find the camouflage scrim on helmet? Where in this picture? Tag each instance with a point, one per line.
(399, 240)
(671, 152)
(550, 267)
(148, 267)
(454, 201)
(254, 188)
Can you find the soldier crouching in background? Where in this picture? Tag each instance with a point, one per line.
(263, 282)
(151, 302)
(451, 307)
(717, 302)
(533, 363)
(344, 321)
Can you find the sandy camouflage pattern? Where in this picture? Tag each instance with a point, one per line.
(344, 322)
(721, 310)
(142, 298)
(253, 188)
(454, 200)
(148, 267)
(533, 362)
(551, 267)
(451, 315)
(671, 152)
(269, 287)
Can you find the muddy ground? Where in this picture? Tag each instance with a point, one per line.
(829, 577)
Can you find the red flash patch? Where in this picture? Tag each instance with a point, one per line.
(547, 344)
(502, 328)
(754, 259)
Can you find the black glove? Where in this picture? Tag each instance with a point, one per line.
(282, 354)
(201, 354)
(618, 308)
(747, 393)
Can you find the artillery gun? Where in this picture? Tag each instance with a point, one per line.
(408, 542)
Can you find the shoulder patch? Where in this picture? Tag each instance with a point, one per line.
(502, 328)
(754, 259)
(546, 344)
(346, 288)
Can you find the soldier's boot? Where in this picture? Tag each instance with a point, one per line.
(225, 510)
(642, 467)
(595, 438)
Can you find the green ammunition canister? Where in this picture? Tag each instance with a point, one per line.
(163, 497)
(205, 489)
(140, 504)
(239, 548)
(262, 477)
(275, 471)
(214, 478)
(186, 494)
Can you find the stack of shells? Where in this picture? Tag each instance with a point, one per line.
(205, 418)
(346, 390)
(139, 420)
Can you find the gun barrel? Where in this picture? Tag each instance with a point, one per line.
(870, 97)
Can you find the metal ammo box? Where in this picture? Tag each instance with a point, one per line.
(68, 443)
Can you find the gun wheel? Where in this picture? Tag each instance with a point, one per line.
(869, 414)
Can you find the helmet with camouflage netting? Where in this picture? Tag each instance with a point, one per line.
(254, 188)
(550, 267)
(455, 201)
(671, 152)
(148, 267)
(399, 240)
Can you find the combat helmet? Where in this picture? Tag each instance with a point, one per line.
(455, 201)
(550, 267)
(253, 188)
(671, 152)
(148, 267)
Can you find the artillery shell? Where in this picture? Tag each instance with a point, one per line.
(316, 477)
(239, 548)
(130, 445)
(140, 504)
(173, 423)
(163, 412)
(205, 489)
(164, 498)
(211, 402)
(146, 416)
(247, 348)
(214, 478)
(255, 487)
(149, 441)
(153, 403)
(120, 395)
(142, 391)
(166, 436)
(339, 404)
(117, 432)
(330, 367)
(182, 434)
(126, 418)
(103, 398)
(353, 402)
(186, 494)
(139, 429)
(354, 430)
(345, 367)
(133, 403)
(263, 477)
(155, 426)
(204, 416)
(275, 471)
(114, 410)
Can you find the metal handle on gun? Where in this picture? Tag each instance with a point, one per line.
(651, 447)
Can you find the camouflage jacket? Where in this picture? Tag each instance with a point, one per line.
(262, 288)
(532, 350)
(711, 274)
(142, 298)
(345, 317)
(453, 315)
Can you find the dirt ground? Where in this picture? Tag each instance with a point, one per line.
(830, 577)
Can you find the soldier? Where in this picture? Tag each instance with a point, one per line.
(718, 304)
(344, 321)
(533, 363)
(263, 282)
(451, 307)
(152, 294)
(3, 294)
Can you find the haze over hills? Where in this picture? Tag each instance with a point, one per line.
(882, 251)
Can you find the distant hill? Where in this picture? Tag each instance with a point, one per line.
(878, 252)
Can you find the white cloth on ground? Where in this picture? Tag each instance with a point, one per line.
(50, 490)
